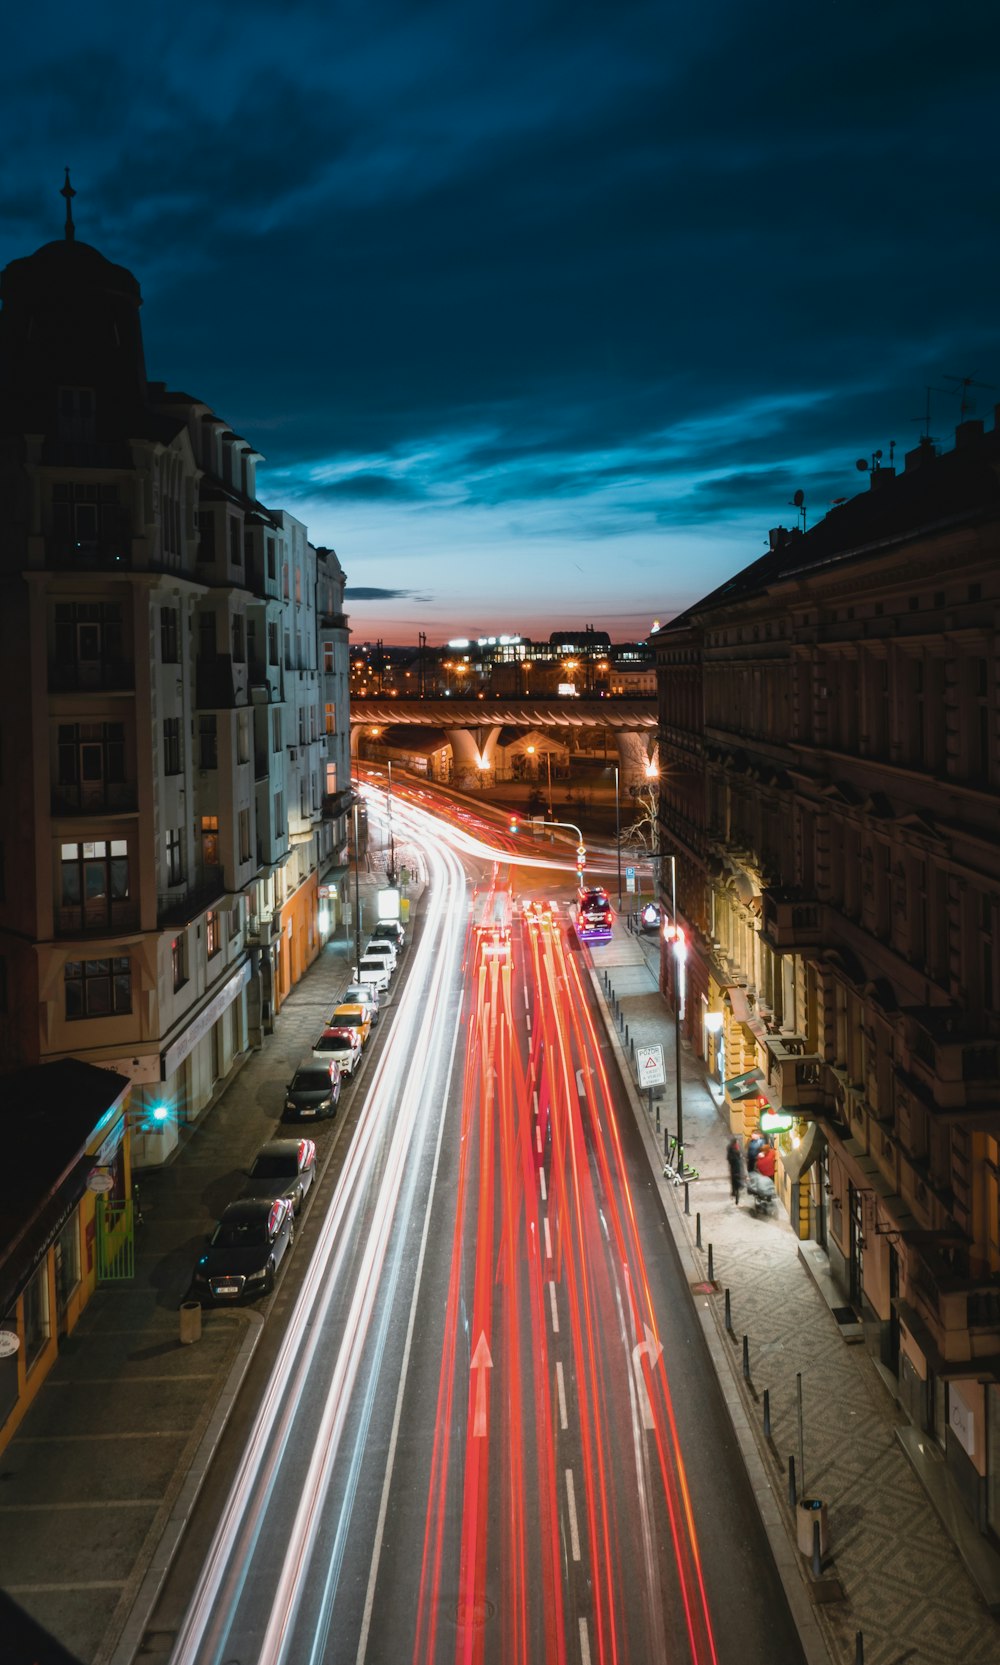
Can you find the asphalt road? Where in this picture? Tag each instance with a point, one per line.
(484, 1426)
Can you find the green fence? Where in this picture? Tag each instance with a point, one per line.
(115, 1241)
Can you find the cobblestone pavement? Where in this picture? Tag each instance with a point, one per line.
(904, 1585)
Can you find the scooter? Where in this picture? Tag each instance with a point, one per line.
(761, 1189)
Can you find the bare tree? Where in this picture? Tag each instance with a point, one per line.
(643, 834)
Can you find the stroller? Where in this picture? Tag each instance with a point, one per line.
(764, 1197)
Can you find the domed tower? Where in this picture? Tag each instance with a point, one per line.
(72, 367)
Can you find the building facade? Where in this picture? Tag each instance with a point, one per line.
(830, 794)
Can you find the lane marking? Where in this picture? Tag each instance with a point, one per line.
(561, 1391)
(527, 1022)
(538, 1130)
(541, 1181)
(555, 1310)
(574, 1530)
(525, 993)
(584, 1643)
(548, 1239)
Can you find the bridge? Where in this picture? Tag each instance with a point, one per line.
(473, 726)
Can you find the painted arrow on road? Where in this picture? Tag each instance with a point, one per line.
(652, 1348)
(482, 1361)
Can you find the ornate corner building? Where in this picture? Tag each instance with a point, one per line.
(830, 791)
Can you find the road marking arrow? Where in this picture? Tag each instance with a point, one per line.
(481, 1361)
(652, 1347)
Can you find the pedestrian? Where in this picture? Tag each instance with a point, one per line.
(734, 1156)
(766, 1158)
(754, 1148)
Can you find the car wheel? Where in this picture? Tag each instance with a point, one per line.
(291, 1233)
(269, 1279)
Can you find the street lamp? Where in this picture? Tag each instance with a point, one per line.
(618, 839)
(392, 847)
(357, 890)
(672, 934)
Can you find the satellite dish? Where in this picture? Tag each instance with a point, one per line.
(862, 465)
(798, 499)
(878, 456)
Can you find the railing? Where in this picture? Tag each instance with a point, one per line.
(105, 675)
(95, 798)
(173, 909)
(90, 919)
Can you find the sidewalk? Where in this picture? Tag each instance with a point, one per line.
(101, 1478)
(892, 1571)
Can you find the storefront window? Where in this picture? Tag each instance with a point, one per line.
(67, 1262)
(36, 1315)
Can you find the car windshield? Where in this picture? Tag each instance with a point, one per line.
(239, 1234)
(594, 899)
(311, 1081)
(371, 965)
(274, 1167)
(350, 1020)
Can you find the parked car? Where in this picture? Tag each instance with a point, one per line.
(650, 916)
(389, 930)
(339, 1045)
(313, 1091)
(245, 1250)
(372, 972)
(354, 1016)
(381, 948)
(362, 994)
(283, 1168)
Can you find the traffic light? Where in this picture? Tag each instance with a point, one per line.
(513, 824)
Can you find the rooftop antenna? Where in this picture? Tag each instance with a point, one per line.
(799, 504)
(926, 436)
(69, 193)
(862, 465)
(962, 385)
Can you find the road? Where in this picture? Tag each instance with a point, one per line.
(490, 1431)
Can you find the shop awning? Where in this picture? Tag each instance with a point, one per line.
(745, 1085)
(795, 1162)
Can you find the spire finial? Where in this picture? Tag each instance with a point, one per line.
(69, 193)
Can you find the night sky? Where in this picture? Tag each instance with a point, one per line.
(541, 313)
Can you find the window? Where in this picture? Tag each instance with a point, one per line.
(90, 763)
(178, 960)
(330, 719)
(244, 823)
(276, 731)
(272, 643)
(208, 743)
(67, 1258)
(94, 884)
(302, 725)
(169, 653)
(87, 641)
(206, 635)
(235, 542)
(98, 988)
(271, 568)
(242, 736)
(36, 1314)
(210, 840)
(77, 414)
(86, 515)
(288, 651)
(331, 780)
(284, 580)
(206, 536)
(171, 746)
(213, 940)
(279, 815)
(238, 654)
(175, 860)
(328, 657)
(298, 586)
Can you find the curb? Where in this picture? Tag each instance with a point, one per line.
(786, 1556)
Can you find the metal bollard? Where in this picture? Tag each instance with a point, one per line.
(697, 1231)
(687, 1197)
(729, 1312)
(817, 1559)
(627, 1041)
(767, 1413)
(657, 1114)
(746, 1358)
(859, 1648)
(793, 1496)
(711, 1267)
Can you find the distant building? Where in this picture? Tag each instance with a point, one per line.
(830, 773)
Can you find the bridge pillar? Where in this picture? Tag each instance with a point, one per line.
(474, 752)
(635, 751)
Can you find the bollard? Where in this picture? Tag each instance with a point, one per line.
(632, 1049)
(817, 1559)
(767, 1413)
(657, 1110)
(859, 1648)
(746, 1358)
(729, 1313)
(697, 1231)
(687, 1197)
(792, 1493)
(190, 1322)
(627, 1041)
(711, 1267)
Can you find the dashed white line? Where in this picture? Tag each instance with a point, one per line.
(541, 1182)
(584, 1643)
(561, 1391)
(574, 1530)
(555, 1309)
(538, 1130)
(548, 1239)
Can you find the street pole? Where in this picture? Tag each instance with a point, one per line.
(392, 847)
(357, 891)
(618, 840)
(548, 770)
(677, 1017)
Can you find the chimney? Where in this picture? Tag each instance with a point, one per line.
(968, 434)
(921, 455)
(881, 477)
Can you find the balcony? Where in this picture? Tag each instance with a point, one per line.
(788, 922)
(99, 797)
(796, 1080)
(215, 688)
(112, 554)
(181, 907)
(98, 919)
(961, 1311)
(336, 804)
(80, 676)
(952, 1060)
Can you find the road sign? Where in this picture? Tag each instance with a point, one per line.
(649, 1066)
(630, 872)
(630, 882)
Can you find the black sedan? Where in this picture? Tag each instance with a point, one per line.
(283, 1168)
(245, 1250)
(313, 1091)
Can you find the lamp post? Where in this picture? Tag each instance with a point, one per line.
(548, 773)
(357, 890)
(392, 847)
(618, 839)
(676, 947)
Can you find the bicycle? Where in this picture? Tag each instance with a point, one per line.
(674, 1166)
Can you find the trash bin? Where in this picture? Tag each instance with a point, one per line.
(810, 1510)
(190, 1321)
